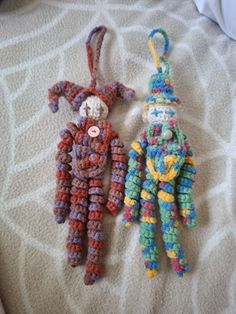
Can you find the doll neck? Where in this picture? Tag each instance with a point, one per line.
(171, 124)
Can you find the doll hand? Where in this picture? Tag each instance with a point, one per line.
(60, 213)
(189, 222)
(127, 224)
(60, 219)
(113, 208)
(130, 216)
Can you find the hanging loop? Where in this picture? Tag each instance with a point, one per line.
(93, 61)
(165, 62)
(166, 47)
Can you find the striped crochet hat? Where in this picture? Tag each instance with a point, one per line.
(76, 94)
(160, 85)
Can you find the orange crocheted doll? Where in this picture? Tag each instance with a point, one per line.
(81, 161)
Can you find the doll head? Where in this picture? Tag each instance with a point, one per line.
(161, 103)
(158, 113)
(93, 107)
(160, 106)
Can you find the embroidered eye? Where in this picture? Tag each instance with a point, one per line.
(156, 112)
(171, 112)
(87, 108)
(101, 109)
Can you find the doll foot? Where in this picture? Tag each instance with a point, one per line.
(190, 223)
(89, 278)
(180, 269)
(74, 253)
(151, 273)
(128, 224)
(183, 275)
(74, 262)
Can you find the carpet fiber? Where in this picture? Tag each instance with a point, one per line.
(42, 42)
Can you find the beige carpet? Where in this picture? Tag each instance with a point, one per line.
(42, 42)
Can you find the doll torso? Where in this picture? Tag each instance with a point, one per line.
(164, 156)
(90, 151)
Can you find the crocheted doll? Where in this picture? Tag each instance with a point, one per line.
(169, 171)
(81, 161)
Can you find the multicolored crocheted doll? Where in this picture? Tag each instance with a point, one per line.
(169, 171)
(81, 161)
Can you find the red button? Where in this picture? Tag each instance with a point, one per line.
(93, 131)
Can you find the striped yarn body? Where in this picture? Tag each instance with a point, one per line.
(81, 161)
(169, 175)
(82, 158)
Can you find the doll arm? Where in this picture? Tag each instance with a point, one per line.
(122, 91)
(184, 189)
(118, 172)
(63, 175)
(67, 89)
(133, 182)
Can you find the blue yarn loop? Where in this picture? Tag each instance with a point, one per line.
(166, 45)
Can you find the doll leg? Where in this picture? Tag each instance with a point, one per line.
(148, 226)
(184, 195)
(77, 220)
(170, 228)
(95, 234)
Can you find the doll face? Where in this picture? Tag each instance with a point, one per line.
(93, 107)
(161, 114)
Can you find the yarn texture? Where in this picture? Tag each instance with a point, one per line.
(163, 151)
(81, 160)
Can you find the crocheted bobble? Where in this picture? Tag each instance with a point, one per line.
(63, 158)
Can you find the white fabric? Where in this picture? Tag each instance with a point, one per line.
(1, 308)
(222, 12)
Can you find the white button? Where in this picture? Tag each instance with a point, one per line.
(93, 131)
(167, 134)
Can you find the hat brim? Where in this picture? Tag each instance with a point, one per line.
(164, 102)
